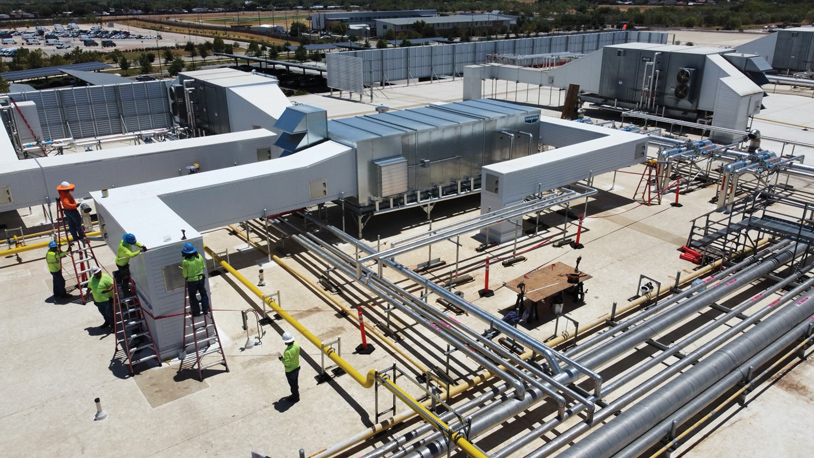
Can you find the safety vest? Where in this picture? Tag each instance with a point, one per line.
(54, 260)
(291, 357)
(192, 268)
(99, 285)
(125, 252)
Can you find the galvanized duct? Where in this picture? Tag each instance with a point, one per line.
(637, 420)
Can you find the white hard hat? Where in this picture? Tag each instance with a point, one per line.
(65, 184)
(287, 338)
(95, 270)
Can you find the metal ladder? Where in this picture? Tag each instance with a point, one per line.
(204, 335)
(132, 332)
(82, 258)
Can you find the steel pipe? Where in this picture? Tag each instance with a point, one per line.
(628, 376)
(640, 418)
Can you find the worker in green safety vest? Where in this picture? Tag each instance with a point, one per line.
(54, 260)
(128, 248)
(101, 285)
(291, 363)
(192, 269)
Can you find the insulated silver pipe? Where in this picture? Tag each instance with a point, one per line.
(447, 417)
(640, 418)
(519, 388)
(547, 352)
(707, 284)
(514, 407)
(641, 333)
(478, 221)
(456, 328)
(654, 381)
(484, 220)
(719, 389)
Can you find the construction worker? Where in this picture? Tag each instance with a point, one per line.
(128, 248)
(192, 269)
(101, 285)
(291, 363)
(54, 259)
(69, 210)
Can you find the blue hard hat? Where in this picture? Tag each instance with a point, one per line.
(129, 238)
(188, 248)
(52, 244)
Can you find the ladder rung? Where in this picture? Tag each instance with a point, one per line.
(141, 360)
(137, 335)
(84, 283)
(207, 339)
(134, 350)
(80, 272)
(215, 363)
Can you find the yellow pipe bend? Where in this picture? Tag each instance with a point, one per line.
(366, 381)
(37, 246)
(421, 367)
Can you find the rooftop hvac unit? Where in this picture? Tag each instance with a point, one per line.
(684, 83)
(390, 175)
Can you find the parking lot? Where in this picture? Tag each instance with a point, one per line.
(122, 36)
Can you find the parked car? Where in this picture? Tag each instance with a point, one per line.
(108, 44)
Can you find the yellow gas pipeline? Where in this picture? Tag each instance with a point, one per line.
(37, 246)
(366, 381)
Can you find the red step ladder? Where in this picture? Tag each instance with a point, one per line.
(202, 332)
(82, 257)
(132, 333)
(652, 183)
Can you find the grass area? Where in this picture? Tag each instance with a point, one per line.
(249, 19)
(227, 35)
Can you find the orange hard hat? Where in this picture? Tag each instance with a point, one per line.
(65, 186)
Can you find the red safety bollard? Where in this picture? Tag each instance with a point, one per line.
(678, 188)
(575, 244)
(486, 292)
(365, 348)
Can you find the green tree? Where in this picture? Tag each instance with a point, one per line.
(168, 56)
(316, 56)
(340, 29)
(35, 59)
(124, 64)
(300, 54)
(218, 45)
(176, 66)
(191, 50)
(151, 57)
(57, 61)
(366, 44)
(144, 64)
(4, 86)
(381, 44)
(273, 53)
(253, 48)
(390, 35)
(203, 52)
(297, 29)
(190, 67)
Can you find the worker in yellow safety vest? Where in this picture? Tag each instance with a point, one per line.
(54, 260)
(101, 285)
(128, 248)
(291, 363)
(192, 269)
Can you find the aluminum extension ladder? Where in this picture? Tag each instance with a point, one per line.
(132, 333)
(202, 332)
(82, 257)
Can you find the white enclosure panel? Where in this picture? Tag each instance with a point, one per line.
(586, 151)
(129, 165)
